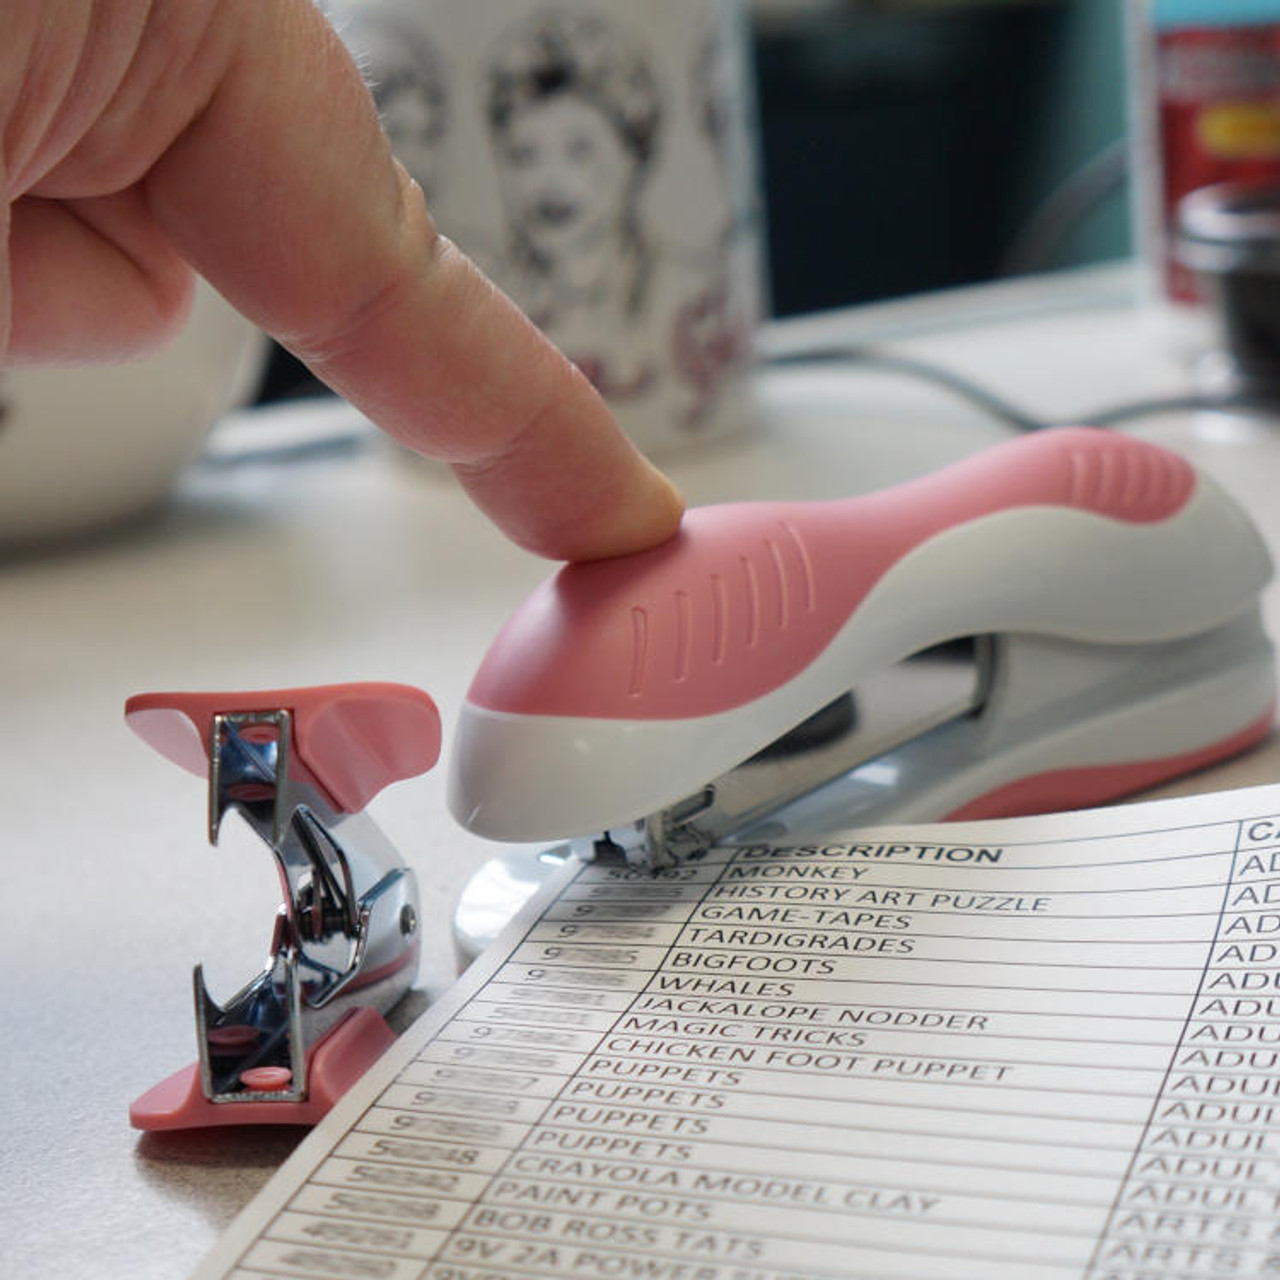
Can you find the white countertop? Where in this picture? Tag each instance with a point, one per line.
(371, 565)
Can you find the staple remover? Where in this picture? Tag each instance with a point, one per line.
(299, 765)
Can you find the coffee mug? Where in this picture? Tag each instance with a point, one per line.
(82, 448)
(597, 159)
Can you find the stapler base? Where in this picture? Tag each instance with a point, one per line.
(1064, 725)
(499, 889)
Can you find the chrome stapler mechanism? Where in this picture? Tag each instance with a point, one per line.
(1054, 623)
(299, 765)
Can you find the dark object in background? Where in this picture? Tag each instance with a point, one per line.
(287, 378)
(896, 146)
(1229, 235)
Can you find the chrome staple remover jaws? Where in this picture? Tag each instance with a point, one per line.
(299, 765)
(1053, 623)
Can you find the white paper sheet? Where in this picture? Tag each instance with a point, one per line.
(1034, 1049)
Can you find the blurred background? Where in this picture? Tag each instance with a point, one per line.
(926, 144)
(946, 133)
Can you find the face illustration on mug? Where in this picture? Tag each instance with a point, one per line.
(407, 78)
(413, 122)
(568, 182)
(573, 114)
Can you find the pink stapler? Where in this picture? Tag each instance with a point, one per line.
(299, 765)
(1053, 623)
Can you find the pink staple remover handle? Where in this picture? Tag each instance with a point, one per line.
(353, 739)
(621, 686)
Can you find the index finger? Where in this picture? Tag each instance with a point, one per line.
(282, 192)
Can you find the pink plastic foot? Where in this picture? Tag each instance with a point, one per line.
(334, 1064)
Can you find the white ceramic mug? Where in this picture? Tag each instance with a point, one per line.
(81, 448)
(596, 157)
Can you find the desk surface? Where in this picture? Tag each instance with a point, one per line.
(371, 565)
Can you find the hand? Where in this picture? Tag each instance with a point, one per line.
(145, 141)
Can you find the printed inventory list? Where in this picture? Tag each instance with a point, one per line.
(1036, 1049)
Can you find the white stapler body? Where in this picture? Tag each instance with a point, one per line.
(1053, 623)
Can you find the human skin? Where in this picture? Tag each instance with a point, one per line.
(144, 142)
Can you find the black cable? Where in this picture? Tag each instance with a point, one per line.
(868, 357)
(1006, 411)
